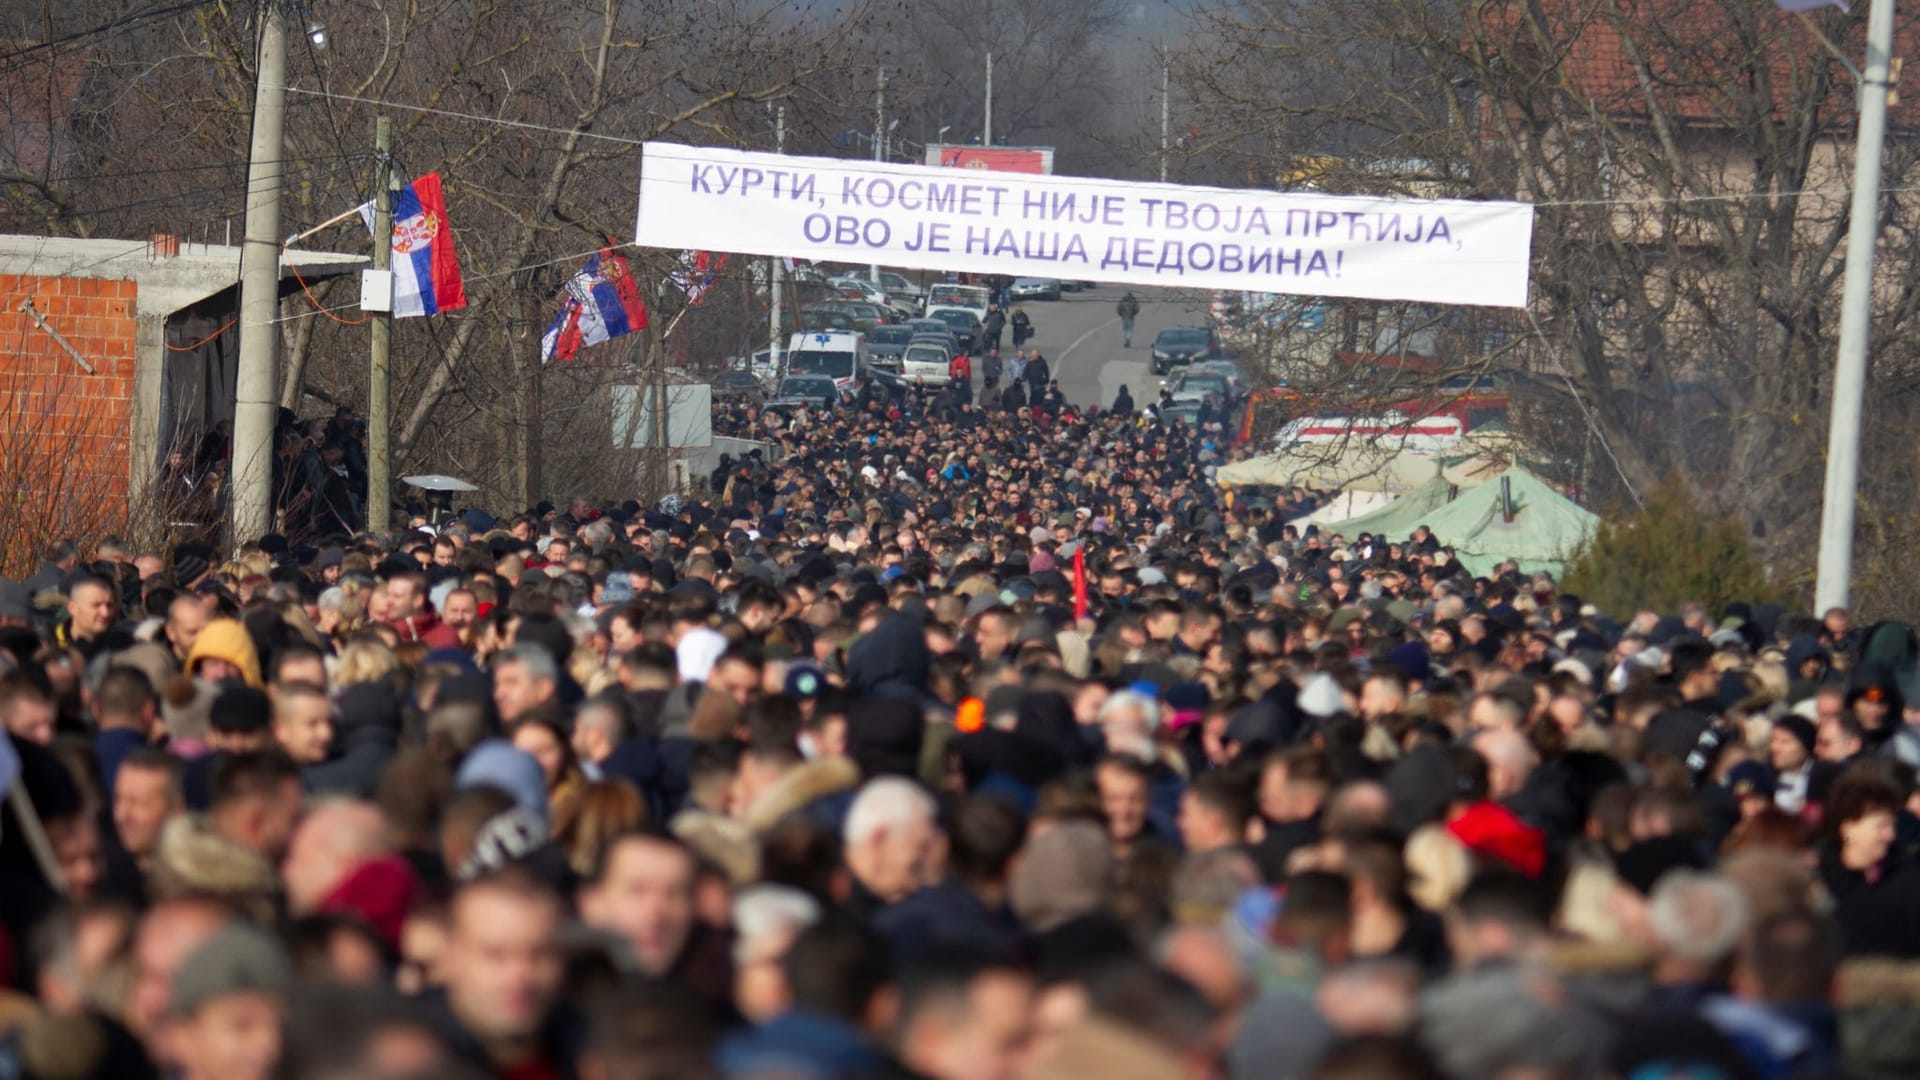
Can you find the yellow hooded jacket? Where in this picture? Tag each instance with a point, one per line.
(227, 639)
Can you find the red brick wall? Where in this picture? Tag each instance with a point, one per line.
(64, 434)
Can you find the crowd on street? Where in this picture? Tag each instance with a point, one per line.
(947, 742)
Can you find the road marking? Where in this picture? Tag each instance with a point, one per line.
(1081, 340)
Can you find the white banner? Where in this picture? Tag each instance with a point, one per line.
(1443, 251)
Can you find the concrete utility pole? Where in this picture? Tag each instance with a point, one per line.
(1856, 328)
(251, 470)
(1166, 115)
(379, 406)
(986, 128)
(879, 146)
(773, 265)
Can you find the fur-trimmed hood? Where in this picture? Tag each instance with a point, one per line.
(803, 784)
(193, 858)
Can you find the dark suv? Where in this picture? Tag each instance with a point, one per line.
(1182, 345)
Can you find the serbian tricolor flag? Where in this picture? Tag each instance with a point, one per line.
(602, 304)
(426, 274)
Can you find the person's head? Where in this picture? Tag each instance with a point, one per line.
(405, 596)
(298, 662)
(186, 617)
(1489, 709)
(766, 919)
(964, 1017)
(1859, 816)
(1839, 739)
(643, 891)
(543, 740)
(256, 801)
(1122, 782)
(335, 837)
(125, 700)
(738, 675)
(502, 960)
(27, 708)
(146, 795)
(92, 606)
(525, 678)
(1510, 760)
(303, 722)
(1697, 919)
(1791, 743)
(1790, 957)
(1294, 784)
(837, 967)
(230, 1004)
(461, 610)
(1214, 811)
(889, 836)
(601, 724)
(1500, 915)
(168, 933)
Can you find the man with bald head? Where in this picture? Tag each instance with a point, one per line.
(342, 859)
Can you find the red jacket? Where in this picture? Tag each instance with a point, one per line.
(426, 626)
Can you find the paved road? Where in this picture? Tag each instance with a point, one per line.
(1080, 336)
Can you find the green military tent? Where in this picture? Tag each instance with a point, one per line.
(1546, 528)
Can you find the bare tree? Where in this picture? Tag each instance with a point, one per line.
(1689, 164)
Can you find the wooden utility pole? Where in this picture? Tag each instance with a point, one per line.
(380, 326)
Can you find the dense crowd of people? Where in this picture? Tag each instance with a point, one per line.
(934, 745)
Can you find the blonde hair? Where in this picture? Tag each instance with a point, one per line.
(364, 660)
(606, 809)
(1586, 904)
(1438, 867)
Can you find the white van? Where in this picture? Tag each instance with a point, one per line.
(974, 298)
(838, 354)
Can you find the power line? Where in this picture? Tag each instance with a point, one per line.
(860, 167)
(119, 25)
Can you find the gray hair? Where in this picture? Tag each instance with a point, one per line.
(886, 803)
(538, 662)
(1698, 917)
(1122, 700)
(761, 911)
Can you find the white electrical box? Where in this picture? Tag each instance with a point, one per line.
(376, 290)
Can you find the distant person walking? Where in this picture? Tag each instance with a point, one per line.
(991, 328)
(1038, 376)
(1128, 309)
(1022, 327)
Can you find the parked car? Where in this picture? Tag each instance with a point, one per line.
(811, 391)
(885, 344)
(1186, 412)
(738, 385)
(964, 325)
(1034, 288)
(899, 289)
(860, 289)
(925, 364)
(1225, 369)
(815, 317)
(1182, 345)
(1191, 385)
(884, 386)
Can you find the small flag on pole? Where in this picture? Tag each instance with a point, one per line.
(426, 273)
(694, 274)
(602, 304)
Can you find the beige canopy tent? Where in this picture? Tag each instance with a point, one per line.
(1360, 465)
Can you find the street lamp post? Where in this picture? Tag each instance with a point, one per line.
(1832, 586)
